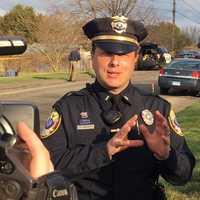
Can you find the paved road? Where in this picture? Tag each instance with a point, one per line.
(44, 95)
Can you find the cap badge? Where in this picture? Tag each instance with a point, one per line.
(119, 24)
(147, 117)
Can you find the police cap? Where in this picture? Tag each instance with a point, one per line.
(116, 34)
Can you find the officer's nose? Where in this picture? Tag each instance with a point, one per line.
(115, 61)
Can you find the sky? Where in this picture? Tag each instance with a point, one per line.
(188, 11)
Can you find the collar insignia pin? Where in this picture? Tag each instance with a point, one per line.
(84, 115)
(84, 120)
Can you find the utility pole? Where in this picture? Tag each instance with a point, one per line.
(173, 25)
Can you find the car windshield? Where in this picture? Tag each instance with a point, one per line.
(185, 64)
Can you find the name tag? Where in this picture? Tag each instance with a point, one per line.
(86, 127)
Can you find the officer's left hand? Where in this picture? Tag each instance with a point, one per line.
(120, 142)
(158, 141)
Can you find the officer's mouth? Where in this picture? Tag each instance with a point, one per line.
(113, 74)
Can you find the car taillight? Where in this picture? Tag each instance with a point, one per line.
(162, 71)
(196, 74)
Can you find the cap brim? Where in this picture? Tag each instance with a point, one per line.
(116, 47)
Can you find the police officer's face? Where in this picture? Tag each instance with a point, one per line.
(114, 71)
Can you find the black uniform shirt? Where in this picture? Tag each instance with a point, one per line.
(76, 136)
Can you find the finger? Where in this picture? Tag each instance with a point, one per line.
(145, 132)
(126, 128)
(162, 129)
(135, 143)
(159, 118)
(166, 129)
(129, 143)
(166, 139)
(31, 139)
(161, 124)
(132, 121)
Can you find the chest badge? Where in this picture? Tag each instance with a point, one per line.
(147, 117)
(85, 122)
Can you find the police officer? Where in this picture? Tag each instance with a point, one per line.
(110, 138)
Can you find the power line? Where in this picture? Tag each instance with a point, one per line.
(169, 3)
(156, 8)
(192, 20)
(179, 13)
(191, 7)
(169, 11)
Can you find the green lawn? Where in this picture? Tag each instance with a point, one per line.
(43, 77)
(190, 123)
(33, 76)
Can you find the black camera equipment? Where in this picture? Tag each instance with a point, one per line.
(15, 181)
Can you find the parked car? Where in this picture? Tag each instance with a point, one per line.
(188, 54)
(181, 74)
(151, 56)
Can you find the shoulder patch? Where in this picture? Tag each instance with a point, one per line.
(52, 124)
(174, 125)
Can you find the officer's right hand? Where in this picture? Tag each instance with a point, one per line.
(119, 142)
(40, 163)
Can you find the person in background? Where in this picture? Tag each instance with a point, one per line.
(74, 64)
(110, 138)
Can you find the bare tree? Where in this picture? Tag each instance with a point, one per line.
(102, 8)
(97, 8)
(87, 9)
(57, 33)
(192, 32)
